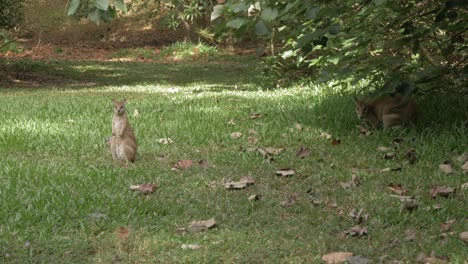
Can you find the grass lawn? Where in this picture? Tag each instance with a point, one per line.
(65, 201)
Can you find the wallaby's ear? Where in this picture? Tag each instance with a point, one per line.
(124, 101)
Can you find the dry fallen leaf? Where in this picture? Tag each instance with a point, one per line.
(389, 155)
(447, 225)
(325, 135)
(383, 149)
(422, 258)
(464, 236)
(359, 216)
(463, 158)
(274, 151)
(144, 188)
(357, 231)
(355, 181)
(397, 188)
(446, 168)
(165, 141)
(411, 156)
(465, 167)
(398, 141)
(409, 205)
(336, 257)
(182, 164)
(122, 232)
(298, 126)
(303, 152)
(255, 197)
(442, 191)
(336, 142)
(136, 113)
(256, 115)
(464, 186)
(192, 247)
(197, 226)
(241, 184)
(252, 140)
(363, 131)
(231, 122)
(289, 201)
(285, 172)
(236, 135)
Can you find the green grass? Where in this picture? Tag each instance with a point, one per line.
(56, 170)
(176, 51)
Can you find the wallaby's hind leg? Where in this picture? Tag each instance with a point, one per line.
(390, 120)
(113, 147)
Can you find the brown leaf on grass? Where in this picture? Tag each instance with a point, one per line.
(422, 258)
(464, 186)
(357, 231)
(204, 164)
(465, 167)
(122, 232)
(447, 225)
(355, 181)
(389, 155)
(252, 140)
(165, 141)
(182, 165)
(285, 172)
(442, 191)
(359, 216)
(256, 115)
(446, 168)
(255, 197)
(363, 131)
(410, 235)
(298, 126)
(434, 207)
(241, 184)
(274, 151)
(383, 149)
(397, 188)
(289, 201)
(409, 205)
(252, 132)
(231, 122)
(236, 135)
(144, 188)
(336, 257)
(464, 236)
(197, 226)
(336, 142)
(398, 141)
(463, 158)
(325, 135)
(411, 156)
(303, 152)
(191, 247)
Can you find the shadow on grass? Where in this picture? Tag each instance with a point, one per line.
(233, 73)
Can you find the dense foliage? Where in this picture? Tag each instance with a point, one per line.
(396, 45)
(10, 13)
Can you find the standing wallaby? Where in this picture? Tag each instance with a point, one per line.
(123, 144)
(387, 111)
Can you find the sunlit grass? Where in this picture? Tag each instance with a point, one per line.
(57, 175)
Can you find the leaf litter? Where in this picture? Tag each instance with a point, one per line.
(358, 231)
(198, 226)
(122, 232)
(303, 152)
(290, 200)
(241, 184)
(354, 182)
(397, 188)
(336, 257)
(442, 191)
(285, 172)
(359, 216)
(144, 188)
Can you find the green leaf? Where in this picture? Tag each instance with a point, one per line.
(269, 14)
(312, 12)
(236, 23)
(287, 54)
(217, 12)
(379, 2)
(334, 29)
(74, 4)
(102, 4)
(120, 5)
(261, 28)
(94, 15)
(236, 8)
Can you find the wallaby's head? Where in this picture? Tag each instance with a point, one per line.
(119, 107)
(362, 108)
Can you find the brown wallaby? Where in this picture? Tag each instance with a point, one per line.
(387, 111)
(123, 143)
